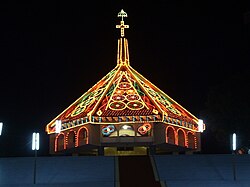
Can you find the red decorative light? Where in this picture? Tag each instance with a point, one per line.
(144, 128)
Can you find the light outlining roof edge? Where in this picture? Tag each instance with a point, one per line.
(141, 100)
(118, 81)
(89, 90)
(104, 93)
(123, 53)
(156, 88)
(125, 122)
(152, 100)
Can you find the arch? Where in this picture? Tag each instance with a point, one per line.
(191, 140)
(126, 130)
(170, 135)
(82, 136)
(71, 139)
(181, 137)
(59, 142)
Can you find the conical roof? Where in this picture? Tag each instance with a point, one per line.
(124, 96)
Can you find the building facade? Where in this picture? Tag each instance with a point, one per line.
(124, 114)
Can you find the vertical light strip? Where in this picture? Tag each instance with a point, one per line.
(118, 52)
(58, 126)
(200, 125)
(33, 141)
(124, 49)
(1, 128)
(234, 142)
(128, 63)
(37, 141)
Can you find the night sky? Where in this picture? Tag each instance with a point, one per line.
(52, 53)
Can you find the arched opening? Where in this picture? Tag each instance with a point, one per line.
(181, 138)
(71, 139)
(126, 131)
(82, 136)
(59, 144)
(191, 141)
(170, 135)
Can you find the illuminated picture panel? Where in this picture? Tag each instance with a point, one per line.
(145, 129)
(109, 131)
(126, 130)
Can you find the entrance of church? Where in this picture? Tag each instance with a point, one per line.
(136, 171)
(125, 151)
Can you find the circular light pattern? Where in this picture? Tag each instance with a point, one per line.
(107, 130)
(117, 105)
(118, 97)
(135, 105)
(124, 85)
(144, 128)
(132, 97)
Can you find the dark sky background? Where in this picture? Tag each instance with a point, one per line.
(52, 53)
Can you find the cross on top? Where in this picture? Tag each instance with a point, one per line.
(122, 26)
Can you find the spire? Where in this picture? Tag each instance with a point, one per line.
(122, 52)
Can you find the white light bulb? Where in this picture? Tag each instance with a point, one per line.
(200, 125)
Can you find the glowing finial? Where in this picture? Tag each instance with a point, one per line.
(122, 26)
(122, 14)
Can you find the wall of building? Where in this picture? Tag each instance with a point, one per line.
(159, 133)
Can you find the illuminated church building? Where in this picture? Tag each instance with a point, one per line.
(124, 114)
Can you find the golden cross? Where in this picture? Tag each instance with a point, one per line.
(122, 26)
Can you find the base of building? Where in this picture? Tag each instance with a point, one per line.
(125, 151)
